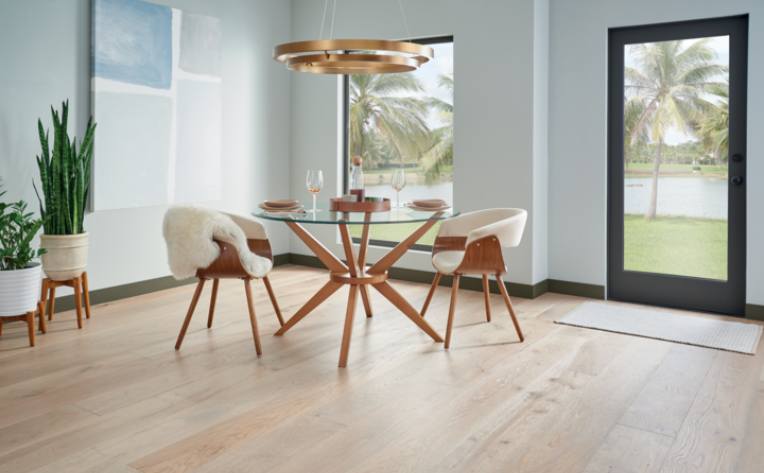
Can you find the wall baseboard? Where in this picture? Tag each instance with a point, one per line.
(124, 291)
(754, 312)
(592, 291)
(528, 291)
(139, 288)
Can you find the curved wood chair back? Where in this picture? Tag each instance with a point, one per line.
(228, 265)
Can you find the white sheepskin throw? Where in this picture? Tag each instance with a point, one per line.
(189, 233)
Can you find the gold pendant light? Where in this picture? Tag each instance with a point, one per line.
(352, 56)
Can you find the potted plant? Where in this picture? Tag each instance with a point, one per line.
(19, 274)
(65, 183)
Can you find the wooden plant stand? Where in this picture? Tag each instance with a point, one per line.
(80, 286)
(29, 319)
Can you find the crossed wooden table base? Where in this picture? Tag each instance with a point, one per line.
(355, 274)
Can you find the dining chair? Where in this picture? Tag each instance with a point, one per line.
(231, 246)
(471, 243)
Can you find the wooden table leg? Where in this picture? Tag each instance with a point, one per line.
(401, 248)
(363, 249)
(398, 301)
(366, 301)
(348, 329)
(327, 290)
(327, 258)
(358, 279)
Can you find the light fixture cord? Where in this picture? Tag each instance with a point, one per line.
(334, 11)
(323, 20)
(405, 20)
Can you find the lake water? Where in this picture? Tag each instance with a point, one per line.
(443, 191)
(678, 196)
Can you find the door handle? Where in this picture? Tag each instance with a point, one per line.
(737, 180)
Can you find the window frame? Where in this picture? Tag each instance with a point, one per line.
(346, 145)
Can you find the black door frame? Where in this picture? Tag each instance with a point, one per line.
(727, 297)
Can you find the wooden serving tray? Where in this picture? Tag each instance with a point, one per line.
(336, 204)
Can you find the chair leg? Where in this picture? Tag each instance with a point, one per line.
(274, 302)
(486, 293)
(86, 293)
(213, 299)
(452, 309)
(252, 319)
(30, 327)
(190, 312)
(507, 301)
(52, 306)
(1, 326)
(430, 294)
(78, 300)
(41, 312)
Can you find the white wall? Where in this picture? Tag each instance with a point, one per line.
(44, 58)
(540, 140)
(578, 128)
(495, 105)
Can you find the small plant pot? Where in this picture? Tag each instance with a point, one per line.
(19, 290)
(66, 256)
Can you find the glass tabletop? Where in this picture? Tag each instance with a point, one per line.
(325, 216)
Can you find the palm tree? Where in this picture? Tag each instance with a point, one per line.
(383, 114)
(713, 127)
(669, 85)
(441, 152)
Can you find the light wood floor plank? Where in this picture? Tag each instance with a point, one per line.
(630, 450)
(116, 396)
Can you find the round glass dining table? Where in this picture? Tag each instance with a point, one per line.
(354, 271)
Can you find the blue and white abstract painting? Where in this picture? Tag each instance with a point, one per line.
(156, 84)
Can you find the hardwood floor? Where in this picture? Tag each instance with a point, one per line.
(117, 397)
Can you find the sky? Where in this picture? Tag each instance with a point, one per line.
(720, 45)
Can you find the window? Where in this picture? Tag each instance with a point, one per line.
(403, 121)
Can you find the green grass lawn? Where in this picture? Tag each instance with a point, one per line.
(676, 245)
(641, 169)
(396, 232)
(669, 245)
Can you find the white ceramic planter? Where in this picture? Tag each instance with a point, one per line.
(66, 256)
(19, 290)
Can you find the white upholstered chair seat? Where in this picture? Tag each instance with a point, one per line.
(446, 262)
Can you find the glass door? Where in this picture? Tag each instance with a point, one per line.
(677, 164)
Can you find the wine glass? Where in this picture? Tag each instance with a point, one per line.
(314, 181)
(398, 182)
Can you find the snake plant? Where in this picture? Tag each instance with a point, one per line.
(64, 175)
